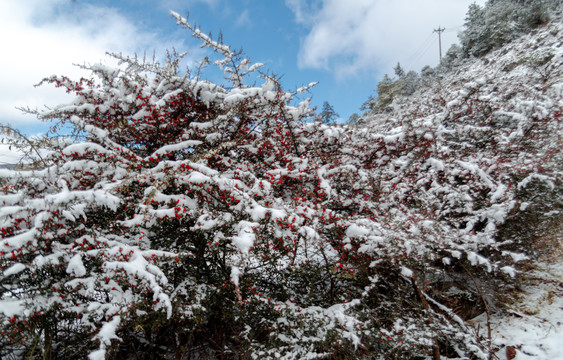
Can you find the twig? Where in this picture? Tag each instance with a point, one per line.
(486, 308)
(239, 295)
(429, 320)
(10, 131)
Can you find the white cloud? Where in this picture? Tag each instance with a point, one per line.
(305, 11)
(352, 37)
(243, 19)
(45, 37)
(8, 156)
(176, 4)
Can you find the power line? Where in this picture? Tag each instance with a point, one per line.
(427, 42)
(421, 52)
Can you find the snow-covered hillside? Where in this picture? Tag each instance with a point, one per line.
(506, 107)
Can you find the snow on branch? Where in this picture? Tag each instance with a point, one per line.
(207, 41)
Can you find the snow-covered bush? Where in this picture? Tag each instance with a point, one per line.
(145, 226)
(452, 183)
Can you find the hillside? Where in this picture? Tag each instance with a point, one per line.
(497, 103)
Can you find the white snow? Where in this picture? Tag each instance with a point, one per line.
(245, 238)
(533, 325)
(235, 274)
(10, 307)
(14, 269)
(406, 272)
(75, 266)
(354, 231)
(106, 334)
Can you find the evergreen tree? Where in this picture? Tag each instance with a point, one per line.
(389, 88)
(385, 92)
(328, 115)
(471, 37)
(354, 118)
(399, 72)
(501, 21)
(452, 58)
(369, 104)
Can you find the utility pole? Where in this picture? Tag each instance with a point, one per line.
(439, 31)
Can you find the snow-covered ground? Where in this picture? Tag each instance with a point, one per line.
(531, 328)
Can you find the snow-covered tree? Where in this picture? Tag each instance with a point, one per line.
(389, 88)
(501, 21)
(328, 115)
(354, 118)
(399, 72)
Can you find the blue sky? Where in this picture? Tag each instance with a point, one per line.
(345, 45)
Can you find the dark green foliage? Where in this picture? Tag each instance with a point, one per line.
(328, 115)
(501, 21)
(389, 88)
